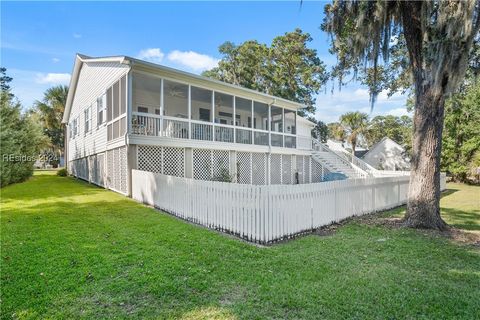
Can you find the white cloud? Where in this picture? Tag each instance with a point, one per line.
(152, 54)
(77, 35)
(399, 112)
(55, 60)
(193, 60)
(53, 78)
(356, 98)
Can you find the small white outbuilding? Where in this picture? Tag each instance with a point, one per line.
(387, 155)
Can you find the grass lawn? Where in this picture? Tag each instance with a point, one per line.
(72, 250)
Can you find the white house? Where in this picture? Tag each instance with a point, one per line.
(387, 155)
(123, 113)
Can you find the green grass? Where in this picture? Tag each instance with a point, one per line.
(71, 250)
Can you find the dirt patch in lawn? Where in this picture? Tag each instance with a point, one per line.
(457, 235)
(461, 236)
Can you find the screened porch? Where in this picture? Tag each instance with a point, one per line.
(166, 108)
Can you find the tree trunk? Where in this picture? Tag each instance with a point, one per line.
(423, 208)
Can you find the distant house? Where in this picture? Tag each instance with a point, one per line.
(387, 155)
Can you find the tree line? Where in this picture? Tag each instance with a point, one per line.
(27, 135)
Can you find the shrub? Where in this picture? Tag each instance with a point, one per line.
(21, 139)
(62, 172)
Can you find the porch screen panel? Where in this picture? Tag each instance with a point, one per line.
(260, 115)
(276, 124)
(243, 110)
(123, 95)
(175, 99)
(116, 100)
(201, 104)
(109, 104)
(146, 93)
(290, 117)
(223, 108)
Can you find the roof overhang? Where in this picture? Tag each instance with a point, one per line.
(80, 59)
(214, 84)
(141, 65)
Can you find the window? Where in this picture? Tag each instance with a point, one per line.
(243, 109)
(276, 114)
(290, 121)
(74, 128)
(201, 104)
(142, 109)
(260, 115)
(175, 99)
(101, 110)
(223, 108)
(88, 119)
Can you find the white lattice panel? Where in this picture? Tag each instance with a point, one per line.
(100, 169)
(202, 164)
(110, 166)
(275, 169)
(286, 169)
(300, 169)
(306, 169)
(174, 161)
(259, 168)
(122, 156)
(150, 158)
(220, 164)
(117, 169)
(316, 168)
(244, 167)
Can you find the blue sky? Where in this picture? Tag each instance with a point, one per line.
(39, 41)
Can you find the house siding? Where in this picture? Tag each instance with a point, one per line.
(94, 79)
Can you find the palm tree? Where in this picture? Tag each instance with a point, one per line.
(50, 111)
(354, 124)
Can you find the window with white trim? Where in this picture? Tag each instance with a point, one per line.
(88, 119)
(101, 109)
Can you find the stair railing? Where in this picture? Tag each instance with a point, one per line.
(318, 146)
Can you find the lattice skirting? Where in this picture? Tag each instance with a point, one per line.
(107, 169)
(117, 175)
(229, 166)
(165, 160)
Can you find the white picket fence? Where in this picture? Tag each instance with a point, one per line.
(267, 213)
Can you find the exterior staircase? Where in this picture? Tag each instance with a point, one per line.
(336, 162)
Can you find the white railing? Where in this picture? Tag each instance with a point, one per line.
(268, 213)
(243, 136)
(338, 159)
(173, 128)
(146, 125)
(304, 142)
(224, 134)
(202, 131)
(156, 125)
(355, 160)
